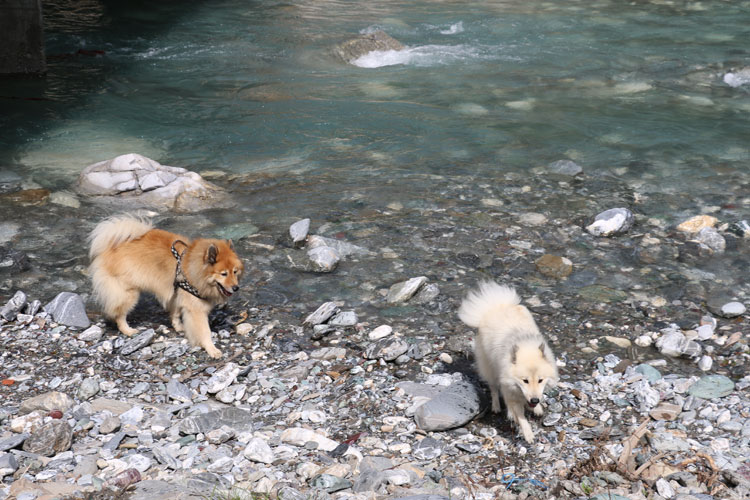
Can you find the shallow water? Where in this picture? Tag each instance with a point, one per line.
(483, 97)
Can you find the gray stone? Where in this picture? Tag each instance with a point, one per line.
(427, 449)
(674, 343)
(114, 442)
(237, 419)
(322, 314)
(133, 180)
(47, 402)
(110, 425)
(732, 309)
(162, 490)
(178, 391)
(453, 407)
(612, 222)
(664, 441)
(712, 386)
(403, 291)
(92, 334)
(9, 182)
(355, 48)
(165, 457)
(740, 228)
(8, 464)
(426, 294)
(88, 389)
(645, 395)
(324, 259)
(344, 318)
(53, 437)
(369, 480)
(132, 416)
(299, 230)
(419, 350)
(388, 348)
(11, 308)
(138, 342)
(565, 167)
(68, 309)
(223, 378)
(330, 483)
(13, 441)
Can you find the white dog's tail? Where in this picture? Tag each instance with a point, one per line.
(478, 304)
(115, 231)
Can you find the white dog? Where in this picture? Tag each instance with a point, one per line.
(512, 356)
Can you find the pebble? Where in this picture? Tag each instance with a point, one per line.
(222, 378)
(298, 231)
(324, 259)
(554, 266)
(137, 342)
(380, 332)
(322, 314)
(11, 308)
(695, 224)
(257, 450)
(733, 309)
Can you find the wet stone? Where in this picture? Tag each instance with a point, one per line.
(554, 266)
(426, 294)
(68, 309)
(344, 318)
(565, 167)
(52, 438)
(298, 231)
(732, 309)
(740, 228)
(711, 238)
(405, 290)
(324, 259)
(712, 386)
(380, 332)
(611, 222)
(137, 342)
(695, 224)
(427, 449)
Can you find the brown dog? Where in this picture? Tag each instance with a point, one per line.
(128, 256)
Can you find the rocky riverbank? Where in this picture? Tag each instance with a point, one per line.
(358, 382)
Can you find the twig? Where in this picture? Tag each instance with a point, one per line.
(648, 463)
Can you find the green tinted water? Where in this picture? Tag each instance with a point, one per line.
(632, 89)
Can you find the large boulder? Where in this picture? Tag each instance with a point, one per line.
(139, 182)
(355, 48)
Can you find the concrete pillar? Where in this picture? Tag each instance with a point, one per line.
(21, 37)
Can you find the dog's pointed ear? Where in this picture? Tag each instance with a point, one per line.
(513, 355)
(231, 245)
(211, 253)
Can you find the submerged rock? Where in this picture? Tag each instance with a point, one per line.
(137, 181)
(355, 48)
(298, 231)
(565, 167)
(611, 222)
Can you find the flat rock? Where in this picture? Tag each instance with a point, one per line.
(11, 308)
(178, 391)
(88, 389)
(712, 386)
(8, 464)
(428, 449)
(138, 342)
(403, 291)
(388, 349)
(299, 436)
(13, 441)
(68, 309)
(455, 406)
(223, 378)
(695, 224)
(322, 314)
(47, 402)
(162, 490)
(666, 411)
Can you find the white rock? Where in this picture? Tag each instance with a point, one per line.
(644, 341)
(324, 259)
(299, 230)
(401, 292)
(380, 332)
(705, 332)
(315, 416)
(532, 219)
(664, 488)
(733, 309)
(298, 436)
(705, 363)
(257, 450)
(140, 462)
(223, 378)
(133, 416)
(611, 222)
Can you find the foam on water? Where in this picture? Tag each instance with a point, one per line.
(424, 55)
(453, 29)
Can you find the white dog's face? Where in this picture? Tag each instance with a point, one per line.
(532, 372)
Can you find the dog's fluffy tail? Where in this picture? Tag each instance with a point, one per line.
(117, 230)
(478, 304)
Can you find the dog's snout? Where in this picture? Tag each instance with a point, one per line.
(235, 288)
(534, 401)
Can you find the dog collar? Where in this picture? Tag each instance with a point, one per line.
(180, 281)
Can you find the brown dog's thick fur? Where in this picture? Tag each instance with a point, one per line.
(128, 256)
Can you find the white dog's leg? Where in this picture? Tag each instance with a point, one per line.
(495, 399)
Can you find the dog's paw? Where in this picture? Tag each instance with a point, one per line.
(128, 332)
(213, 352)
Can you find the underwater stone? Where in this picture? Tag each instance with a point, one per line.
(354, 48)
(403, 291)
(565, 167)
(612, 222)
(323, 259)
(298, 231)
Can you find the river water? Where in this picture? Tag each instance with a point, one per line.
(426, 155)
